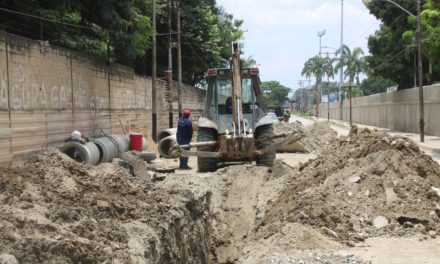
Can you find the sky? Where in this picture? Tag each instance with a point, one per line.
(282, 34)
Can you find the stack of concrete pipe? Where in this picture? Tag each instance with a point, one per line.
(103, 149)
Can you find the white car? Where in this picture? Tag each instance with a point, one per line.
(273, 116)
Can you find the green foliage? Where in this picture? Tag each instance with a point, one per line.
(318, 67)
(393, 58)
(430, 23)
(355, 92)
(329, 87)
(353, 61)
(375, 84)
(115, 30)
(121, 31)
(207, 35)
(314, 67)
(248, 62)
(275, 93)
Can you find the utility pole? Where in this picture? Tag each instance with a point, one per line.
(341, 70)
(169, 72)
(154, 77)
(179, 59)
(328, 95)
(318, 93)
(301, 95)
(419, 47)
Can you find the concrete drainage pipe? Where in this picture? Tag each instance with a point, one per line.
(166, 133)
(88, 153)
(165, 146)
(123, 142)
(111, 147)
(148, 156)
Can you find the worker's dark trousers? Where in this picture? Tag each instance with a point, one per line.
(184, 160)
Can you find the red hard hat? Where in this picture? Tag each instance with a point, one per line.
(186, 112)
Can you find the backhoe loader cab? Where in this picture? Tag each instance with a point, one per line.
(219, 104)
(235, 125)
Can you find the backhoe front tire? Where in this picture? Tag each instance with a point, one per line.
(206, 164)
(268, 147)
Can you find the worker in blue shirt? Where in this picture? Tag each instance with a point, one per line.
(184, 136)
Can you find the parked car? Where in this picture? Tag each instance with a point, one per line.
(277, 110)
(273, 116)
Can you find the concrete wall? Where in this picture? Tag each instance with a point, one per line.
(46, 92)
(395, 110)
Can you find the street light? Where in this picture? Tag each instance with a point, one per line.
(420, 67)
(341, 69)
(320, 34)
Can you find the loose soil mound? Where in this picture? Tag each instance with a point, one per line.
(59, 211)
(365, 180)
(315, 137)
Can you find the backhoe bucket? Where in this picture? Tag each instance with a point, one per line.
(290, 144)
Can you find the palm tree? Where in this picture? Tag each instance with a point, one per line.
(354, 64)
(315, 66)
(318, 67)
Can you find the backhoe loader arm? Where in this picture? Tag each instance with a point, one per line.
(237, 112)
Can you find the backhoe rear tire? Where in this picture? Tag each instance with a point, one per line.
(268, 147)
(206, 164)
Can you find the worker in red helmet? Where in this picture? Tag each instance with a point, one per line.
(184, 135)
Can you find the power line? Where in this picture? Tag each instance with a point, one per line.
(45, 19)
(353, 25)
(395, 21)
(390, 59)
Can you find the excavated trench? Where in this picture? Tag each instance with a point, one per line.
(236, 205)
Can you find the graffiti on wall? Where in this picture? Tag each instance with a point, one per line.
(27, 94)
(87, 97)
(131, 99)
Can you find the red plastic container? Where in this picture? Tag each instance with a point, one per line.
(136, 141)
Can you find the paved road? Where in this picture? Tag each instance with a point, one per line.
(431, 146)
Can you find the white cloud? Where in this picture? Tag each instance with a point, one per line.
(282, 34)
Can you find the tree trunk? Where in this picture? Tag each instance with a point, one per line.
(317, 101)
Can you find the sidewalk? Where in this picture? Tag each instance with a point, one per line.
(431, 146)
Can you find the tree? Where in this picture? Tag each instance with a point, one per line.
(353, 61)
(354, 64)
(275, 93)
(393, 58)
(318, 67)
(375, 84)
(430, 24)
(248, 62)
(120, 31)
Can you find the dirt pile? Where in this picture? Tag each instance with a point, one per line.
(56, 210)
(366, 184)
(315, 137)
